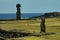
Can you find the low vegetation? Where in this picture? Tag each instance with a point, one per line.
(33, 26)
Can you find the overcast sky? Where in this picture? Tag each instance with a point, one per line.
(30, 6)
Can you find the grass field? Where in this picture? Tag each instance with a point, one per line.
(33, 26)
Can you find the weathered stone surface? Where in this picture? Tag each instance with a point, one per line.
(42, 25)
(18, 13)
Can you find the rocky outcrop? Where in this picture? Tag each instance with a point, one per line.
(52, 14)
(47, 15)
(12, 34)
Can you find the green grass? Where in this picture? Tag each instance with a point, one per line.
(52, 25)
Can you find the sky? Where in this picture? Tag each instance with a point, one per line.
(30, 6)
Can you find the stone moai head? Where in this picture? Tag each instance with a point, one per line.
(42, 25)
(18, 5)
(43, 18)
(18, 13)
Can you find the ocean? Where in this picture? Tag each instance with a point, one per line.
(23, 15)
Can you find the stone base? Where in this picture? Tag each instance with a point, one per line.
(42, 34)
(47, 33)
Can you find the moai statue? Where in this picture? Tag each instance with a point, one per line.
(18, 13)
(43, 24)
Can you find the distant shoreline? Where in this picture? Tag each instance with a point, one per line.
(23, 15)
